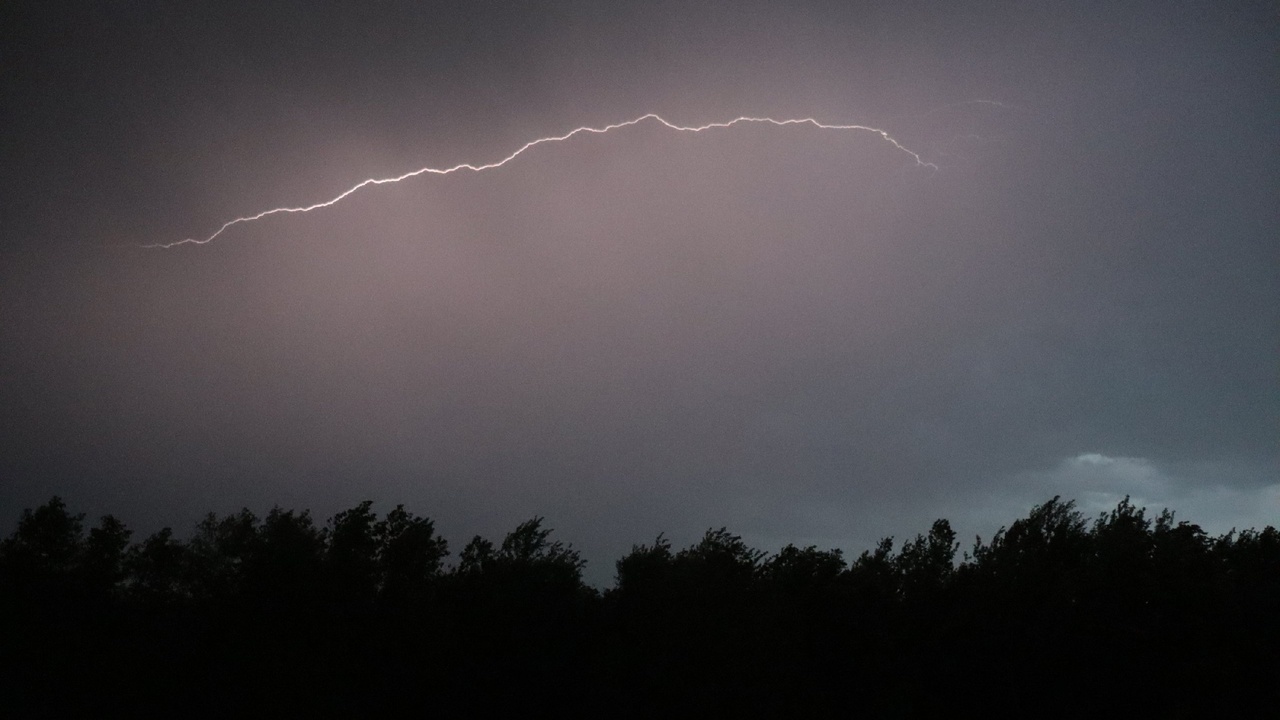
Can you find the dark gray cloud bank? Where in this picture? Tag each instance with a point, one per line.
(796, 333)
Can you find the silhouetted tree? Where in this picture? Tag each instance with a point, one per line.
(874, 578)
(807, 570)
(46, 546)
(411, 557)
(925, 565)
(645, 570)
(103, 559)
(48, 558)
(285, 562)
(354, 542)
(720, 565)
(1038, 558)
(528, 561)
(157, 568)
(360, 617)
(219, 552)
(477, 557)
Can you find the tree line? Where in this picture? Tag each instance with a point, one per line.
(1057, 615)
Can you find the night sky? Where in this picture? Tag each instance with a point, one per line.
(801, 334)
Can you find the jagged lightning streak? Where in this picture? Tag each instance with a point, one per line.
(557, 138)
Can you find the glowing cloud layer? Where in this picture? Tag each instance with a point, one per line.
(558, 138)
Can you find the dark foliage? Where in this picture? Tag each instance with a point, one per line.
(1057, 615)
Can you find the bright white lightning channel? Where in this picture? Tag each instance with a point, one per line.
(558, 138)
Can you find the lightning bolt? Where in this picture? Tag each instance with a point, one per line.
(531, 144)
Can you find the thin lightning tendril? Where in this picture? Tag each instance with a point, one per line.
(558, 138)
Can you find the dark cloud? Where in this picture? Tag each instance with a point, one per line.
(798, 333)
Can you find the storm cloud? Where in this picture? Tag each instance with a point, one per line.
(801, 334)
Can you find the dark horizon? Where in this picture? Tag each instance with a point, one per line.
(1056, 615)
(966, 550)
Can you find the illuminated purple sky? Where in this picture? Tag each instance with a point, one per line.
(800, 334)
